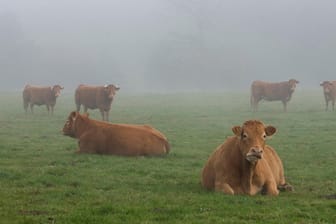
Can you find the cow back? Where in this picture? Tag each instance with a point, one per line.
(40, 95)
(271, 91)
(93, 97)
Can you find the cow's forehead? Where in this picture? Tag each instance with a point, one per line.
(254, 126)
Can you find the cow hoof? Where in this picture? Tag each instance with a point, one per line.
(286, 187)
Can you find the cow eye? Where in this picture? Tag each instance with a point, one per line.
(264, 136)
(244, 135)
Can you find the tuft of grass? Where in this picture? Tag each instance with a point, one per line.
(42, 180)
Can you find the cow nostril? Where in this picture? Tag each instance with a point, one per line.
(256, 150)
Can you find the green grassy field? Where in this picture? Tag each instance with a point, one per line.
(42, 180)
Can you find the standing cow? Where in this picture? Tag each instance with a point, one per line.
(40, 95)
(329, 91)
(92, 97)
(268, 91)
(244, 164)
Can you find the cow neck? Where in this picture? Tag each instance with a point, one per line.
(51, 94)
(248, 170)
(82, 124)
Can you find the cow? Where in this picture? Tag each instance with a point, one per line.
(329, 91)
(102, 137)
(244, 164)
(40, 95)
(93, 97)
(268, 91)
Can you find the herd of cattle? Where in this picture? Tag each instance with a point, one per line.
(243, 164)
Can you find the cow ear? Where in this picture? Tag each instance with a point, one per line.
(270, 130)
(297, 82)
(237, 130)
(73, 115)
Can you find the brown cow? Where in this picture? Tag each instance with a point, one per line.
(272, 92)
(244, 164)
(329, 91)
(40, 95)
(118, 139)
(92, 97)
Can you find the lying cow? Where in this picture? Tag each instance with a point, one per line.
(118, 139)
(329, 91)
(92, 97)
(244, 164)
(268, 91)
(40, 95)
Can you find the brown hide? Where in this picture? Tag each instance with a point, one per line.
(40, 95)
(329, 91)
(280, 91)
(244, 164)
(93, 97)
(118, 139)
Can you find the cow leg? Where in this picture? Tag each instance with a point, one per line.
(107, 115)
(284, 105)
(285, 187)
(32, 108)
(48, 108)
(327, 104)
(255, 103)
(333, 105)
(223, 187)
(271, 188)
(102, 114)
(52, 110)
(25, 106)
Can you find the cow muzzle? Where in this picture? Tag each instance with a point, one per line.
(254, 154)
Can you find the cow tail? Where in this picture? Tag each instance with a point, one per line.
(251, 98)
(167, 145)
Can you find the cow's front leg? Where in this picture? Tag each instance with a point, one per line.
(271, 188)
(223, 187)
(106, 115)
(102, 112)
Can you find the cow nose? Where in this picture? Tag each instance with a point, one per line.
(257, 150)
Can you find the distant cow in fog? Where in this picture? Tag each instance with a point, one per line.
(40, 95)
(329, 90)
(92, 97)
(268, 91)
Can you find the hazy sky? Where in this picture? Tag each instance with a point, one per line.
(160, 45)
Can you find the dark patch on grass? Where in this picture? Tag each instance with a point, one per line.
(33, 212)
(329, 196)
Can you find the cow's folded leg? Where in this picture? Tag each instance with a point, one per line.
(223, 187)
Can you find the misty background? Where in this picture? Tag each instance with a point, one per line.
(166, 45)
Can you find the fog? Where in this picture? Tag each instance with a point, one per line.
(166, 45)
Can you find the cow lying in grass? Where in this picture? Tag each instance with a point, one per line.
(118, 139)
(244, 164)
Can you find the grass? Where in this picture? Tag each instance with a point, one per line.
(42, 180)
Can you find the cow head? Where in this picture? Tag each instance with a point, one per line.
(292, 84)
(252, 136)
(56, 89)
(327, 86)
(110, 90)
(69, 128)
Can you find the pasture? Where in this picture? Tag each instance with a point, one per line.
(43, 181)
